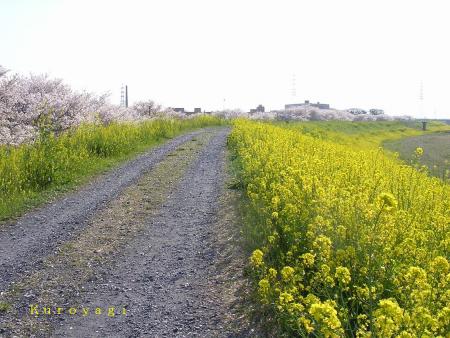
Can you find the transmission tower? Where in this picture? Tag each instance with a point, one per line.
(124, 96)
(294, 87)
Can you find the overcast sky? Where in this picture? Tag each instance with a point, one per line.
(239, 53)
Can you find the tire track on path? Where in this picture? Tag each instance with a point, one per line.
(166, 277)
(25, 243)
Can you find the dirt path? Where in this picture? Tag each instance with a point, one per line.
(163, 282)
(24, 243)
(159, 248)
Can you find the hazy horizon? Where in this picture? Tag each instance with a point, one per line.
(236, 54)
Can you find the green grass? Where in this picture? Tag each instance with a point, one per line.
(363, 134)
(31, 174)
(436, 154)
(4, 307)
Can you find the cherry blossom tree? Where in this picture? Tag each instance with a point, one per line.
(146, 109)
(3, 71)
(30, 103)
(26, 102)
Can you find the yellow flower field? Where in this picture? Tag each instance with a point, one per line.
(354, 243)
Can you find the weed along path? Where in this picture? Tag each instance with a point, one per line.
(139, 252)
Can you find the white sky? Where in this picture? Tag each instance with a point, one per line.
(196, 53)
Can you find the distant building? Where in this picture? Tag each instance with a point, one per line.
(376, 111)
(259, 109)
(356, 111)
(183, 111)
(306, 103)
(321, 105)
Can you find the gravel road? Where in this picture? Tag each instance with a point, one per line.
(169, 279)
(23, 244)
(164, 279)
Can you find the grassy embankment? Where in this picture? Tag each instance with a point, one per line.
(31, 174)
(364, 135)
(347, 241)
(396, 137)
(436, 151)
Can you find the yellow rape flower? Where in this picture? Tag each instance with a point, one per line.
(419, 151)
(343, 275)
(387, 201)
(329, 197)
(272, 273)
(326, 315)
(264, 286)
(285, 297)
(287, 273)
(306, 323)
(308, 259)
(257, 258)
(388, 317)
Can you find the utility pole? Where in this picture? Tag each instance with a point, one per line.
(421, 100)
(424, 122)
